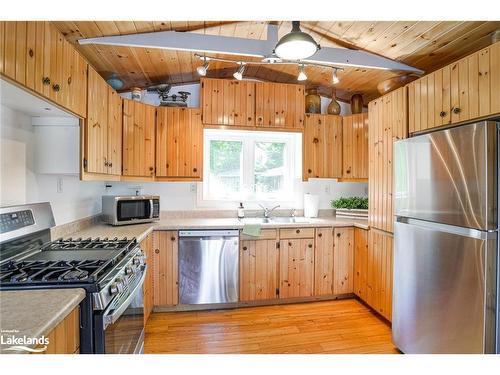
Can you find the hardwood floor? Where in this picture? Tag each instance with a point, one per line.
(344, 326)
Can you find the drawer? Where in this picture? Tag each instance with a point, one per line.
(265, 234)
(297, 233)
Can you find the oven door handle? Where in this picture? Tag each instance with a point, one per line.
(117, 313)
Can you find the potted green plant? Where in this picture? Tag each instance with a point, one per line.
(351, 206)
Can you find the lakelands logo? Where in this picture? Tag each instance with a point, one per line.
(23, 343)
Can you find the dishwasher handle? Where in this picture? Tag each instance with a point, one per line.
(209, 233)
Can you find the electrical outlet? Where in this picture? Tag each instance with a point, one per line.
(60, 184)
(192, 188)
(328, 189)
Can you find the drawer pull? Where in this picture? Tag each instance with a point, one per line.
(46, 80)
(442, 114)
(297, 231)
(172, 238)
(320, 234)
(310, 245)
(56, 87)
(157, 251)
(456, 110)
(244, 247)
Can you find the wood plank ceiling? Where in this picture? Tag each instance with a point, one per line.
(427, 45)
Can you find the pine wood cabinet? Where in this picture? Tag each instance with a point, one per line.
(343, 260)
(279, 105)
(360, 261)
(296, 267)
(379, 272)
(322, 147)
(258, 276)
(388, 123)
(103, 128)
(36, 55)
(138, 139)
(147, 248)
(65, 337)
(323, 262)
(228, 102)
(165, 268)
(355, 146)
(179, 143)
(464, 90)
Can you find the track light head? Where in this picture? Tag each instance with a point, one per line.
(335, 78)
(302, 74)
(239, 73)
(202, 69)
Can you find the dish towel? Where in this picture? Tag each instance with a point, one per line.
(251, 230)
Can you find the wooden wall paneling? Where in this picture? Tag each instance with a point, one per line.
(258, 269)
(228, 95)
(323, 262)
(296, 268)
(96, 124)
(343, 260)
(332, 155)
(484, 82)
(446, 97)
(463, 91)
(495, 77)
(115, 118)
(423, 104)
(473, 78)
(360, 262)
(347, 146)
(360, 149)
(165, 268)
(418, 97)
(430, 100)
(454, 93)
(411, 109)
(438, 98)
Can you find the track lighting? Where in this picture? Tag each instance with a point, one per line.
(239, 73)
(202, 69)
(302, 74)
(296, 45)
(335, 78)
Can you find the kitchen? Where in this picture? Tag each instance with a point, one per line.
(249, 187)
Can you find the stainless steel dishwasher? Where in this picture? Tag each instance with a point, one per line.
(208, 266)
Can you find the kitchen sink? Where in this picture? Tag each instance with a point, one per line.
(275, 219)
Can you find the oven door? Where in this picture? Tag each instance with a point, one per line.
(123, 321)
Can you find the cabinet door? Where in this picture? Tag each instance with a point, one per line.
(258, 270)
(74, 88)
(355, 146)
(296, 268)
(323, 262)
(96, 125)
(15, 50)
(333, 135)
(165, 268)
(495, 77)
(379, 272)
(179, 143)
(343, 260)
(313, 147)
(34, 56)
(115, 117)
(360, 262)
(138, 139)
(279, 105)
(147, 248)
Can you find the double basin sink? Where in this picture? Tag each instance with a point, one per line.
(274, 219)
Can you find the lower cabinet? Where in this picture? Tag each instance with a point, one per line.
(323, 262)
(360, 261)
(259, 266)
(296, 267)
(165, 268)
(65, 337)
(343, 260)
(147, 248)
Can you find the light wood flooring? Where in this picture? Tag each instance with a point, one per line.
(343, 326)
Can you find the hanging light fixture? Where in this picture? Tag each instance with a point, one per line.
(335, 78)
(271, 59)
(302, 74)
(202, 69)
(296, 45)
(115, 82)
(239, 73)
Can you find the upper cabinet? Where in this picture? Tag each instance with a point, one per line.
(228, 102)
(388, 123)
(252, 104)
(279, 105)
(103, 128)
(322, 146)
(465, 90)
(138, 139)
(179, 143)
(36, 55)
(355, 146)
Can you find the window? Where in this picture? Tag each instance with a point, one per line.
(250, 165)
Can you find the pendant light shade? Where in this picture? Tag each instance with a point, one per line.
(296, 45)
(115, 82)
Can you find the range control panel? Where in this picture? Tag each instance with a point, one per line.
(16, 220)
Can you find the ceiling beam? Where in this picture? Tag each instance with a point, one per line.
(216, 44)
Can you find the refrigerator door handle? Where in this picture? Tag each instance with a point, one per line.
(461, 231)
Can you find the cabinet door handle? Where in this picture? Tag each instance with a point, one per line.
(338, 234)
(320, 234)
(309, 171)
(157, 251)
(315, 140)
(456, 110)
(195, 169)
(442, 113)
(46, 81)
(172, 238)
(110, 164)
(310, 245)
(56, 87)
(297, 231)
(244, 247)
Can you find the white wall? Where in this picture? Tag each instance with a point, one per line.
(20, 183)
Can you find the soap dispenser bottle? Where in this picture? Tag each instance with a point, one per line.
(241, 211)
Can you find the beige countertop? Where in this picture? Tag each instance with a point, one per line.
(140, 231)
(34, 313)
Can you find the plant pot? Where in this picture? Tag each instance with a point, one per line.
(353, 213)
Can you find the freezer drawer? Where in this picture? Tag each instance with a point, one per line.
(444, 289)
(449, 176)
(208, 267)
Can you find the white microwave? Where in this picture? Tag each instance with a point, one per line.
(130, 209)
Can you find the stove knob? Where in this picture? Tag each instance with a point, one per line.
(113, 289)
(129, 270)
(137, 261)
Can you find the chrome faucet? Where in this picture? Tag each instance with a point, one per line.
(267, 211)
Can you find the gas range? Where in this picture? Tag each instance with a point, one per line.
(111, 270)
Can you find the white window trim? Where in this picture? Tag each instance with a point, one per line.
(293, 159)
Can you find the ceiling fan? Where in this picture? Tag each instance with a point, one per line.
(296, 46)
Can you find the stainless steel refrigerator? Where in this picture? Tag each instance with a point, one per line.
(446, 241)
